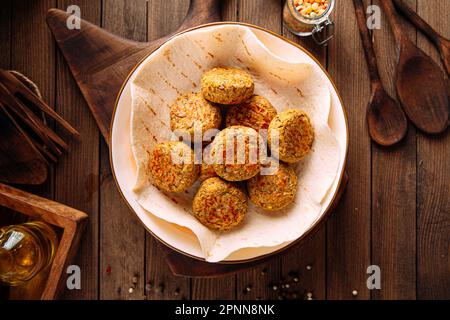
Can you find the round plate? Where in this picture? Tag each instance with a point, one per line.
(124, 167)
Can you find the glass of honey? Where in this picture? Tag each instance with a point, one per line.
(25, 250)
(310, 18)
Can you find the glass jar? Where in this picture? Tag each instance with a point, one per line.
(25, 250)
(321, 28)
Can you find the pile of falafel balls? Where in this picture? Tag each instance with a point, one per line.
(221, 201)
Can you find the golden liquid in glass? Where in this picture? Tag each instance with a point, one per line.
(25, 250)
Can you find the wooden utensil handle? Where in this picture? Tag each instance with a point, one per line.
(367, 44)
(106, 59)
(201, 11)
(417, 21)
(389, 9)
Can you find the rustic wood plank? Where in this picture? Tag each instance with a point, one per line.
(163, 18)
(32, 42)
(230, 10)
(161, 284)
(213, 289)
(77, 174)
(5, 34)
(121, 234)
(307, 262)
(348, 229)
(32, 45)
(433, 176)
(261, 282)
(5, 63)
(394, 190)
(267, 16)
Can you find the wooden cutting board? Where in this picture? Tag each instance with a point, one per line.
(100, 62)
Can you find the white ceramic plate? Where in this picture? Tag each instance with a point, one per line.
(124, 168)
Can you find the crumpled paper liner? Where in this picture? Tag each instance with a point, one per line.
(175, 69)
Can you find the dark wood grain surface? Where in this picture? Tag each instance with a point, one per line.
(395, 212)
(394, 191)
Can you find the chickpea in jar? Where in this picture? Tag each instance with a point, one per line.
(308, 17)
(311, 8)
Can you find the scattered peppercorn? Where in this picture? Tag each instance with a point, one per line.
(160, 288)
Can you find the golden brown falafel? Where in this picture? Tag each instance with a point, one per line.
(219, 205)
(295, 135)
(275, 191)
(256, 112)
(235, 153)
(227, 85)
(172, 167)
(190, 108)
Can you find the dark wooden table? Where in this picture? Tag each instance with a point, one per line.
(395, 213)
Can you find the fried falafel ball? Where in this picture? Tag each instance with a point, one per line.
(227, 86)
(273, 191)
(219, 205)
(256, 112)
(172, 167)
(235, 153)
(191, 108)
(295, 135)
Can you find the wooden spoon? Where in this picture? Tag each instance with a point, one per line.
(439, 41)
(386, 120)
(421, 85)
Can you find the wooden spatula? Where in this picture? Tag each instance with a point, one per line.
(422, 86)
(442, 44)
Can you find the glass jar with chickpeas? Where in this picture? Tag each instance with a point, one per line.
(310, 18)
